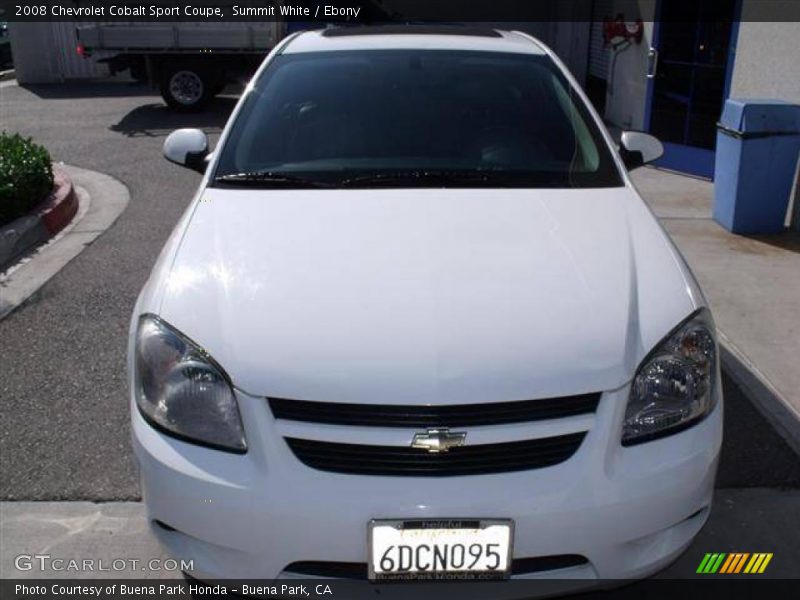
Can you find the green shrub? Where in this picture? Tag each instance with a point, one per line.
(26, 175)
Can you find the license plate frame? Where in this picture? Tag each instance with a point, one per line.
(439, 524)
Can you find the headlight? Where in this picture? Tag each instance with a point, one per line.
(181, 390)
(674, 385)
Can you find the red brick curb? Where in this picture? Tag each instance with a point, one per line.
(61, 206)
(52, 215)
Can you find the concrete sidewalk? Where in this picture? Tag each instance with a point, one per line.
(753, 286)
(91, 219)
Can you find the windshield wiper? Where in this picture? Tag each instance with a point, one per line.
(430, 177)
(412, 178)
(270, 179)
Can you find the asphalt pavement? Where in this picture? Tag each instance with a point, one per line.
(63, 413)
(64, 432)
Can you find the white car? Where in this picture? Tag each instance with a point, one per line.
(417, 323)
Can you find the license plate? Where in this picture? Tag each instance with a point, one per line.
(440, 549)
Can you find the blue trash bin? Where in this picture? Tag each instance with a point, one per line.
(758, 143)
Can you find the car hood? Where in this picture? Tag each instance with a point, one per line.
(424, 296)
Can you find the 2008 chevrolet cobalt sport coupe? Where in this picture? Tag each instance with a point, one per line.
(417, 322)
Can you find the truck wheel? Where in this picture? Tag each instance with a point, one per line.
(186, 88)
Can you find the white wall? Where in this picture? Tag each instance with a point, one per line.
(45, 53)
(767, 65)
(767, 61)
(31, 47)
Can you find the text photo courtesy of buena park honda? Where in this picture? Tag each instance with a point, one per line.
(399, 299)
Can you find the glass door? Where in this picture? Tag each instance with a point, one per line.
(688, 72)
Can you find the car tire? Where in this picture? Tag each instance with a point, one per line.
(186, 88)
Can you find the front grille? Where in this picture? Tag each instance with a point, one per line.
(346, 570)
(360, 459)
(461, 415)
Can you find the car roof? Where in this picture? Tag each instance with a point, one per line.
(417, 37)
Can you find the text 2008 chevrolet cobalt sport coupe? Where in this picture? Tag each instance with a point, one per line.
(417, 323)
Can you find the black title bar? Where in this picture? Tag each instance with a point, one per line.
(378, 11)
(702, 588)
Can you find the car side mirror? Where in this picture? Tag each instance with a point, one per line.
(188, 148)
(638, 148)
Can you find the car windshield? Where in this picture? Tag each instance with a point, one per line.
(421, 118)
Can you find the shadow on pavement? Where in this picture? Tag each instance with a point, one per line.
(789, 240)
(158, 120)
(753, 454)
(88, 89)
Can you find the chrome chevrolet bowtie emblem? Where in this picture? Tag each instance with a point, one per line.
(438, 440)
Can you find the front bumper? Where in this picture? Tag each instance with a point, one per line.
(628, 511)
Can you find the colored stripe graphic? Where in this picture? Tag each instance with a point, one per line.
(711, 563)
(730, 564)
(727, 564)
(764, 563)
(734, 563)
(703, 563)
(740, 564)
(717, 563)
(754, 563)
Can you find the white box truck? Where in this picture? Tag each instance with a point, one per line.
(189, 62)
